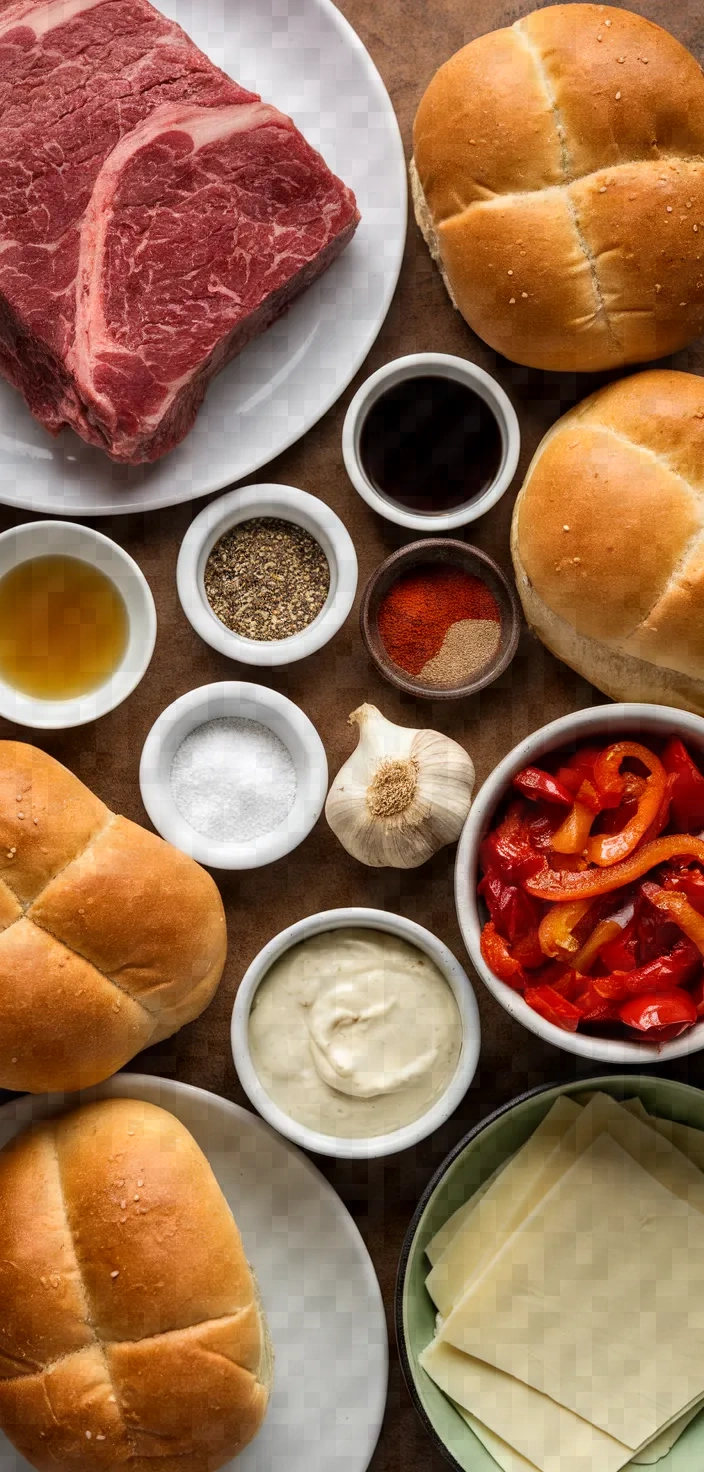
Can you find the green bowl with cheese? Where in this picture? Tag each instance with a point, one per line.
(465, 1171)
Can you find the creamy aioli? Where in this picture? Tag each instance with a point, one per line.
(354, 1033)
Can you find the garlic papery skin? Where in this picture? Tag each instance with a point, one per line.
(401, 796)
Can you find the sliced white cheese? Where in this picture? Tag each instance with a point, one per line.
(503, 1454)
(658, 1448)
(546, 1431)
(549, 1436)
(534, 1170)
(510, 1196)
(597, 1300)
(684, 1136)
(452, 1226)
(551, 1129)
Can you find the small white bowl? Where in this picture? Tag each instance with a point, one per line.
(435, 365)
(66, 539)
(373, 1147)
(249, 703)
(290, 505)
(611, 722)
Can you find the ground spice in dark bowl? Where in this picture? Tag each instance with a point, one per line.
(267, 579)
(440, 619)
(440, 623)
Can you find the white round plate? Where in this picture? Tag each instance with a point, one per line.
(318, 1285)
(303, 56)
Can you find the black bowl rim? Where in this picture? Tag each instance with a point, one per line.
(404, 1359)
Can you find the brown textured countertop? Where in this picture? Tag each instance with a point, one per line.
(408, 39)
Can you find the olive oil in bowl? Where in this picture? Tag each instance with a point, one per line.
(64, 628)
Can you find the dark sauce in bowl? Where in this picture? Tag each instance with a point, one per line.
(431, 444)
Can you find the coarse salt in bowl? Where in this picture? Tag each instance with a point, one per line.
(285, 503)
(281, 773)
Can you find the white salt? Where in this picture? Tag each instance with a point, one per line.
(233, 780)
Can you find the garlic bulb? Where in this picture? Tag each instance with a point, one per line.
(402, 794)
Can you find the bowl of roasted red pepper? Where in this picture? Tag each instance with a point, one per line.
(580, 883)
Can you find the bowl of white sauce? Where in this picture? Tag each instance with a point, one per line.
(234, 775)
(355, 1033)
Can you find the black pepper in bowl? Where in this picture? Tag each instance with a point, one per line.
(267, 579)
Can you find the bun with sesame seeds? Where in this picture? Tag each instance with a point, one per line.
(558, 179)
(132, 1333)
(608, 539)
(110, 939)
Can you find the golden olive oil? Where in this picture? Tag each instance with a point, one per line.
(63, 628)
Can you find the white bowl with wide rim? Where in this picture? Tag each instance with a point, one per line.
(609, 723)
(287, 504)
(431, 365)
(38, 539)
(250, 703)
(373, 1146)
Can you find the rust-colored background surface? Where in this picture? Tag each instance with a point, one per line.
(408, 40)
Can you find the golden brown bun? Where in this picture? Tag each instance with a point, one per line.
(131, 1330)
(558, 175)
(110, 939)
(608, 539)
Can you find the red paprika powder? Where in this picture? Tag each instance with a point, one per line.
(420, 608)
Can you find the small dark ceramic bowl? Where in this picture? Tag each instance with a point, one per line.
(449, 553)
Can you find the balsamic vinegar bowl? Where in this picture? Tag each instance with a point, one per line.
(432, 365)
(449, 553)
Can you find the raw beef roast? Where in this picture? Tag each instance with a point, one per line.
(154, 217)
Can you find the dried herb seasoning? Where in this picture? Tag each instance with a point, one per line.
(267, 579)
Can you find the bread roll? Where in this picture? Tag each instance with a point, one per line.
(558, 179)
(110, 939)
(131, 1330)
(608, 539)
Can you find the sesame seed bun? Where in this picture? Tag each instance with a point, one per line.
(608, 539)
(558, 179)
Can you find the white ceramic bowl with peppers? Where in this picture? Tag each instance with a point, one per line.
(243, 702)
(370, 1147)
(284, 503)
(599, 725)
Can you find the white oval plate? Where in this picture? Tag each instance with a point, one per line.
(318, 1285)
(303, 56)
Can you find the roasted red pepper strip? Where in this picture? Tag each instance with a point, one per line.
(499, 959)
(556, 930)
(688, 789)
(677, 907)
(663, 974)
(572, 835)
(662, 817)
(540, 786)
(595, 1008)
(513, 911)
(621, 954)
(605, 931)
(547, 884)
(509, 849)
(610, 848)
(548, 1003)
(668, 1009)
(689, 881)
(578, 767)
